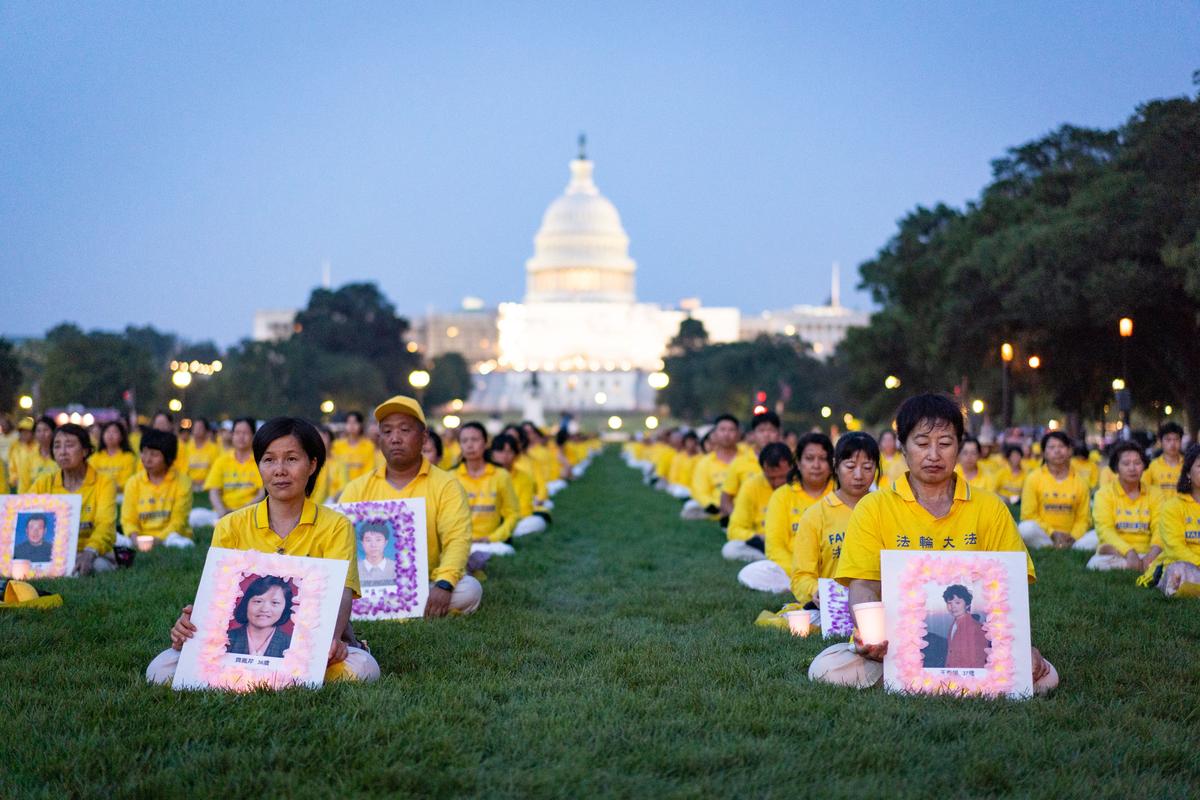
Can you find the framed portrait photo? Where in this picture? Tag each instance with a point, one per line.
(835, 609)
(393, 558)
(262, 620)
(957, 623)
(39, 534)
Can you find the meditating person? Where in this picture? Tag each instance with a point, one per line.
(71, 446)
(332, 477)
(235, 481)
(709, 474)
(822, 530)
(1081, 462)
(433, 450)
(927, 509)
(891, 460)
(115, 458)
(263, 611)
(542, 504)
(1008, 480)
(354, 451)
(970, 467)
(1179, 531)
(809, 482)
(490, 493)
(201, 453)
(408, 474)
(37, 547)
(1054, 500)
(1126, 514)
(746, 532)
(504, 454)
(764, 430)
(37, 461)
(966, 645)
(18, 452)
(1164, 471)
(158, 499)
(289, 454)
(683, 466)
(375, 569)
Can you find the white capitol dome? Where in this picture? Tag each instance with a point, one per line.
(581, 251)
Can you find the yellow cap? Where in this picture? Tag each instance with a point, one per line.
(25, 424)
(400, 404)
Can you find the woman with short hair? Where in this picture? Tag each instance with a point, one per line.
(1126, 514)
(158, 498)
(1054, 499)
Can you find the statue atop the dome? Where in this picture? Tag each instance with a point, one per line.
(583, 147)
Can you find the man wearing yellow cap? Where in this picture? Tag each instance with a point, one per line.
(408, 474)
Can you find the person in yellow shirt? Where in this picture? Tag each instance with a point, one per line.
(822, 531)
(201, 453)
(116, 460)
(157, 498)
(19, 452)
(891, 460)
(1008, 480)
(764, 430)
(289, 454)
(809, 482)
(709, 474)
(1082, 463)
(1164, 471)
(332, 477)
(354, 451)
(542, 504)
(683, 465)
(234, 481)
(969, 467)
(1054, 499)
(37, 461)
(928, 509)
(1126, 515)
(1179, 530)
(408, 474)
(451, 451)
(490, 494)
(747, 525)
(504, 454)
(98, 513)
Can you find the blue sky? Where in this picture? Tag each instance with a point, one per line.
(184, 164)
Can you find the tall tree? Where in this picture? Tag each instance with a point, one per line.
(10, 377)
(449, 379)
(93, 369)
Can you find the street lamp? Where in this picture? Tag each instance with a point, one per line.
(175, 405)
(651, 422)
(418, 379)
(658, 380)
(1034, 362)
(614, 422)
(181, 378)
(327, 407)
(1006, 357)
(891, 382)
(1125, 399)
(977, 406)
(26, 402)
(826, 412)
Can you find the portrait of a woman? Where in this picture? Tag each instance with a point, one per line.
(263, 611)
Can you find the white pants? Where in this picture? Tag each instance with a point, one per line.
(737, 550)
(531, 524)
(1035, 537)
(692, 511)
(467, 596)
(202, 518)
(679, 492)
(765, 576)
(840, 665)
(556, 486)
(178, 540)
(495, 548)
(360, 665)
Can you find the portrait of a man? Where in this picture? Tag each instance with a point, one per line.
(35, 538)
(374, 566)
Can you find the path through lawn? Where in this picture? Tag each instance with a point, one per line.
(615, 655)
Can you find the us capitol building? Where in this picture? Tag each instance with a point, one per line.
(581, 342)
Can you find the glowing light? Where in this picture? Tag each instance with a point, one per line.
(451, 421)
(182, 378)
(26, 402)
(456, 404)
(1168, 410)
(789, 330)
(174, 366)
(63, 418)
(614, 422)
(1006, 352)
(977, 406)
(88, 419)
(194, 366)
(411, 347)
(76, 417)
(847, 418)
(658, 380)
(175, 405)
(1118, 384)
(891, 382)
(826, 412)
(651, 422)
(601, 398)
(327, 407)
(1034, 362)
(418, 379)
(452, 332)
(760, 409)
(1125, 327)
(217, 366)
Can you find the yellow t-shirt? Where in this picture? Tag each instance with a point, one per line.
(1087, 470)
(1056, 505)
(157, 510)
(1163, 476)
(98, 511)
(358, 459)
(239, 482)
(198, 461)
(1179, 530)
(1008, 484)
(32, 466)
(749, 517)
(540, 493)
(787, 504)
(321, 533)
(683, 466)
(707, 479)
(1124, 523)
(743, 466)
(450, 454)
(447, 515)
(118, 468)
(492, 500)
(891, 467)
(892, 519)
(525, 486)
(818, 545)
(982, 480)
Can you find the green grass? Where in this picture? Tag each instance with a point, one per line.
(615, 655)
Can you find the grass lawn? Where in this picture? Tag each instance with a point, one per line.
(615, 655)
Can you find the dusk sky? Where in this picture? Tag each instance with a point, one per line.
(183, 164)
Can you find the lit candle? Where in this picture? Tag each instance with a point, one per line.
(868, 618)
(799, 622)
(21, 569)
(145, 543)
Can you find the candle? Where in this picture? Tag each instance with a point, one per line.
(21, 569)
(868, 618)
(799, 622)
(145, 543)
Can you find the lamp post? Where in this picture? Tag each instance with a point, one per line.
(1006, 357)
(1035, 363)
(1124, 395)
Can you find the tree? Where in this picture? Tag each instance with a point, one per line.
(94, 369)
(449, 379)
(10, 377)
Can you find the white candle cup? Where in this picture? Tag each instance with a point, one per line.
(799, 622)
(869, 619)
(145, 543)
(21, 569)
